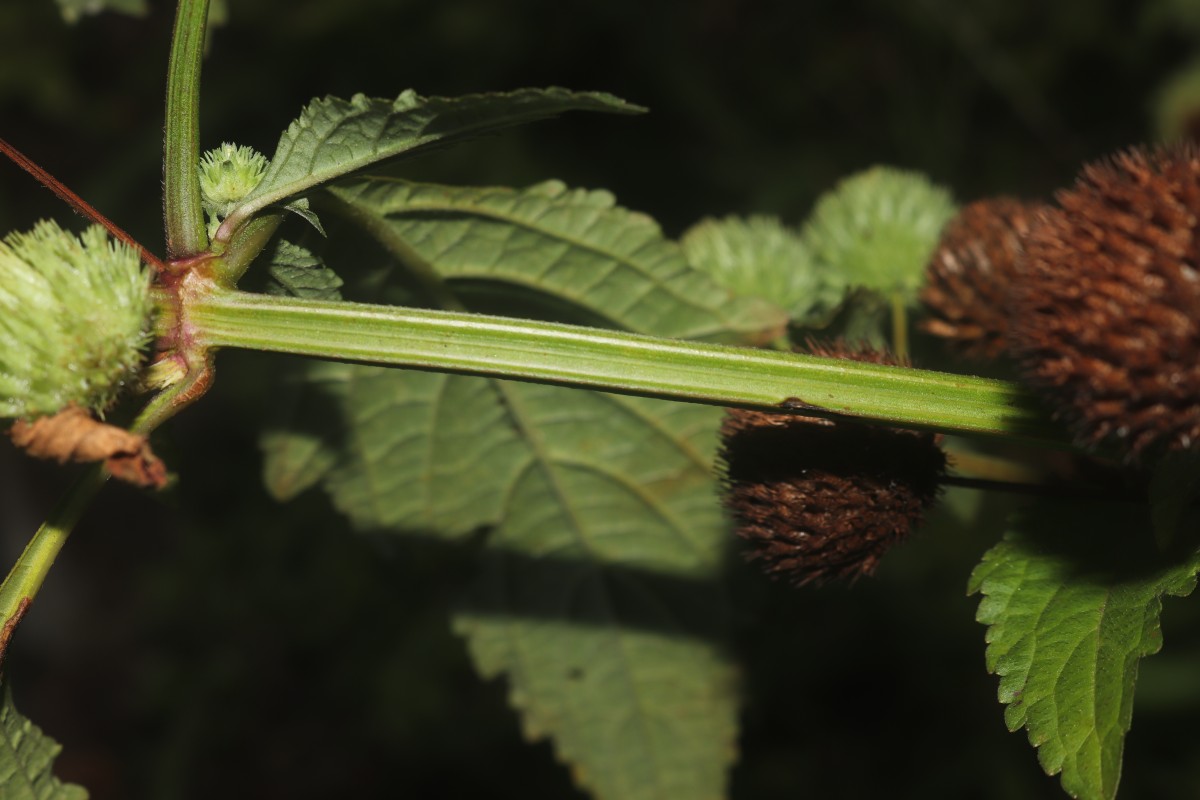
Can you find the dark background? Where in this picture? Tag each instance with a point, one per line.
(209, 642)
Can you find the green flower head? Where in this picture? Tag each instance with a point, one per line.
(227, 175)
(74, 320)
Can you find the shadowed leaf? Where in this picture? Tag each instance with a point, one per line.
(1072, 598)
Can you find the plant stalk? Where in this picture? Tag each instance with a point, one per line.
(183, 214)
(23, 581)
(620, 362)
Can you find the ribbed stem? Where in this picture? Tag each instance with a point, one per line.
(619, 362)
(183, 214)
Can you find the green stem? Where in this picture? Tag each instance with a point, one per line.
(24, 580)
(183, 213)
(899, 327)
(27, 575)
(618, 362)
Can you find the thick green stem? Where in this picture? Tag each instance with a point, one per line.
(618, 362)
(182, 211)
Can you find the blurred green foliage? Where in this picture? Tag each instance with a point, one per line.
(178, 649)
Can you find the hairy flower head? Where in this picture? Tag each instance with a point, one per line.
(74, 319)
(227, 174)
(1106, 313)
(972, 272)
(819, 500)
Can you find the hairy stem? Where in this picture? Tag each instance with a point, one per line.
(182, 212)
(619, 362)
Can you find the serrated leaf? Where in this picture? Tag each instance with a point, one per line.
(598, 599)
(27, 758)
(576, 246)
(598, 594)
(878, 229)
(296, 271)
(1072, 597)
(760, 257)
(333, 137)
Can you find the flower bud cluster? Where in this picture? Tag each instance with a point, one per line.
(75, 320)
(227, 175)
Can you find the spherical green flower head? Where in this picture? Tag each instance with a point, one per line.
(74, 320)
(878, 229)
(227, 174)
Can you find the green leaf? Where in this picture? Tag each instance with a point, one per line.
(599, 598)
(26, 759)
(73, 10)
(1072, 597)
(878, 229)
(294, 270)
(300, 208)
(760, 257)
(573, 248)
(333, 137)
(598, 594)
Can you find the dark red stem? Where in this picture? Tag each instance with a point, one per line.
(76, 202)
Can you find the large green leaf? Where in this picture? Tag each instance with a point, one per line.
(26, 759)
(598, 593)
(1072, 597)
(598, 596)
(603, 263)
(334, 137)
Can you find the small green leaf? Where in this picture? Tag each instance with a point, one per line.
(573, 247)
(300, 209)
(1072, 597)
(878, 229)
(760, 257)
(333, 138)
(294, 270)
(26, 759)
(1176, 103)
(73, 10)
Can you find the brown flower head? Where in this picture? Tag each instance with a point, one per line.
(1106, 314)
(970, 274)
(821, 500)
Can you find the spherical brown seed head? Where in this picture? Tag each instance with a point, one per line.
(1106, 313)
(969, 276)
(820, 500)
